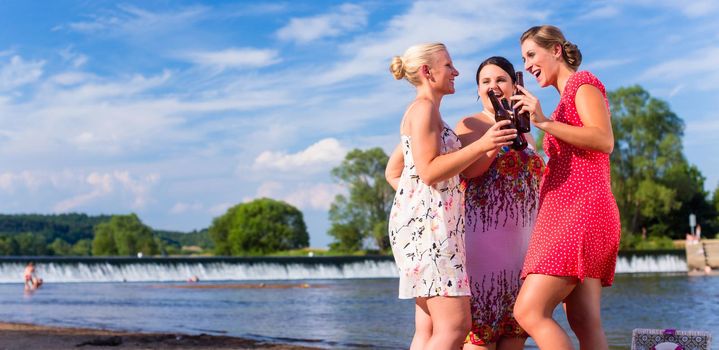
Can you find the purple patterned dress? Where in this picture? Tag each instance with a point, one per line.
(500, 208)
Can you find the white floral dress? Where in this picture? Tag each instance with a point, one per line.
(426, 230)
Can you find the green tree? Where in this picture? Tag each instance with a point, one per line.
(219, 233)
(651, 180)
(715, 217)
(363, 213)
(8, 246)
(60, 247)
(82, 247)
(31, 244)
(69, 227)
(259, 227)
(123, 235)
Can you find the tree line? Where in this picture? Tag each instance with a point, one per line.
(83, 235)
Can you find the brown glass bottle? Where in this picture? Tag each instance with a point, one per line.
(520, 142)
(500, 113)
(521, 119)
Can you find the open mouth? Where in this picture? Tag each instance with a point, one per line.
(536, 73)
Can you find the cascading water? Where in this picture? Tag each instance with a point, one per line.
(54, 270)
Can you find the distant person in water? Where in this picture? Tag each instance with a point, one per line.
(32, 282)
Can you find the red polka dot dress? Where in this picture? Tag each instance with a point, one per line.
(577, 228)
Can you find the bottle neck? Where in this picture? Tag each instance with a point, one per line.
(495, 102)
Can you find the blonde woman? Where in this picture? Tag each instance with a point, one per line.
(426, 224)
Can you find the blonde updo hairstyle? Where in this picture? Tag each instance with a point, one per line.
(407, 66)
(547, 36)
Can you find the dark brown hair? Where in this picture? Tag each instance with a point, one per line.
(500, 62)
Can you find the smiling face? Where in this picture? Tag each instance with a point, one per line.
(442, 73)
(542, 63)
(492, 77)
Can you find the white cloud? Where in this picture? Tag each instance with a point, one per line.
(69, 78)
(78, 114)
(219, 208)
(608, 63)
(182, 208)
(6, 181)
(676, 90)
(235, 58)
(317, 157)
(605, 11)
(700, 8)
(104, 184)
(14, 181)
(304, 196)
(345, 18)
(76, 59)
(101, 185)
(700, 65)
(18, 72)
(136, 21)
(697, 8)
(464, 26)
(314, 196)
(140, 188)
(268, 189)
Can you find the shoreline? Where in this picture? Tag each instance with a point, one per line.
(21, 336)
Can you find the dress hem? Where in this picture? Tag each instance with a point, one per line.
(433, 296)
(580, 278)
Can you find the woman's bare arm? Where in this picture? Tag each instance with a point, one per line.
(395, 164)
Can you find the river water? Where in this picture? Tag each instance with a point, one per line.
(331, 313)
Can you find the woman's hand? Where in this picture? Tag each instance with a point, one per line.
(529, 103)
(495, 137)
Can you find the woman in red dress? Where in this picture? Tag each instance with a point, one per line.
(573, 249)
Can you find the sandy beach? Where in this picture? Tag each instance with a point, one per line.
(21, 336)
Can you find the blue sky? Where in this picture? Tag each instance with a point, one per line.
(177, 110)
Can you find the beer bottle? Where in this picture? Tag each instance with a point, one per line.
(521, 119)
(501, 113)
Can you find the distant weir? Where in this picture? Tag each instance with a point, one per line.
(173, 269)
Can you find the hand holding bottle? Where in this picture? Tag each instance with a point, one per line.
(521, 119)
(529, 103)
(501, 114)
(497, 137)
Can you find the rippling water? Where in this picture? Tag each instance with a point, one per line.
(337, 314)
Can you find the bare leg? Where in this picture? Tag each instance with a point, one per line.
(422, 325)
(451, 321)
(537, 299)
(584, 314)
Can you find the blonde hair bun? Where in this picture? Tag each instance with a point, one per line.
(397, 67)
(407, 66)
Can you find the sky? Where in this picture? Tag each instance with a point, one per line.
(178, 110)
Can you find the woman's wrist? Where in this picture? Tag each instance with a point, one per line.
(543, 125)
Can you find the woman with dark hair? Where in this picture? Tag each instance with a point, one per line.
(501, 201)
(573, 249)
